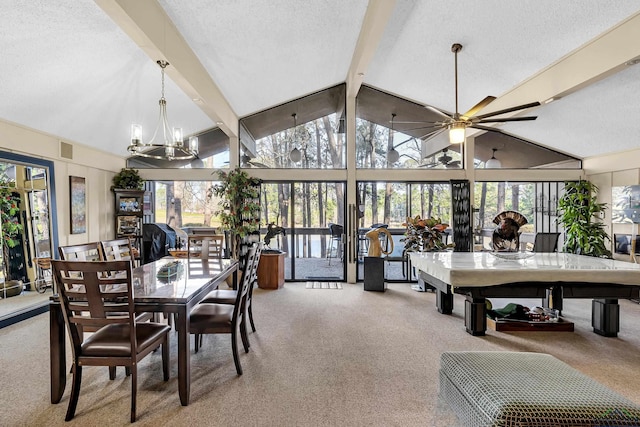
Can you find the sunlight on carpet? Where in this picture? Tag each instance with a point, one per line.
(324, 285)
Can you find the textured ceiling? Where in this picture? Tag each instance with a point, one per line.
(84, 70)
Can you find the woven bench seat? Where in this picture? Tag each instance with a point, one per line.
(528, 389)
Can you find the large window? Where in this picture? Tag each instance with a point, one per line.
(388, 204)
(308, 133)
(537, 201)
(185, 204)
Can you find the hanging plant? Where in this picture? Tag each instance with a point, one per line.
(127, 179)
(579, 208)
(239, 208)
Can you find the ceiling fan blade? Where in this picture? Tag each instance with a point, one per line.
(439, 112)
(454, 164)
(432, 134)
(412, 123)
(487, 128)
(479, 106)
(434, 126)
(509, 119)
(508, 110)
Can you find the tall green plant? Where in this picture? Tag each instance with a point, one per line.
(11, 227)
(579, 209)
(239, 208)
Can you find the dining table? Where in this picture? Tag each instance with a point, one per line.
(551, 276)
(169, 285)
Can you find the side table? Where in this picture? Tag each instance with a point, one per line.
(271, 270)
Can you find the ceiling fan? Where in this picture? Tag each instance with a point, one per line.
(248, 161)
(458, 123)
(444, 160)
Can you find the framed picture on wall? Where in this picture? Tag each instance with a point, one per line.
(78, 198)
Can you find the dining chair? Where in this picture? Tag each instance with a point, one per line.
(546, 242)
(93, 252)
(214, 318)
(99, 295)
(84, 252)
(228, 296)
(118, 249)
(205, 247)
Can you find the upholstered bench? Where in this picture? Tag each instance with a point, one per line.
(528, 389)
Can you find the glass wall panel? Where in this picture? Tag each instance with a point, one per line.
(306, 211)
(312, 145)
(185, 204)
(305, 133)
(387, 205)
(537, 201)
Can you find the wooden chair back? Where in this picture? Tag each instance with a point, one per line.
(85, 252)
(205, 247)
(117, 250)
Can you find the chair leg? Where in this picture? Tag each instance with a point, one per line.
(196, 342)
(75, 391)
(134, 389)
(127, 370)
(234, 347)
(112, 372)
(253, 327)
(166, 359)
(244, 335)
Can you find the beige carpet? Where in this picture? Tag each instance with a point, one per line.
(348, 358)
(324, 285)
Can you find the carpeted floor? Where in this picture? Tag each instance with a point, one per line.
(348, 358)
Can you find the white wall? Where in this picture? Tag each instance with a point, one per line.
(97, 167)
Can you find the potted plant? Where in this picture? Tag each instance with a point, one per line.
(239, 209)
(579, 209)
(127, 179)
(424, 235)
(11, 235)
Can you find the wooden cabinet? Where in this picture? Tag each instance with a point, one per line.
(271, 270)
(129, 211)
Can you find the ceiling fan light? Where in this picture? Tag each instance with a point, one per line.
(295, 155)
(457, 133)
(393, 155)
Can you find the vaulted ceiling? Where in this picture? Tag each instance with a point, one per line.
(85, 70)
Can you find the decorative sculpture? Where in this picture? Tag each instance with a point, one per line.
(506, 236)
(375, 248)
(272, 231)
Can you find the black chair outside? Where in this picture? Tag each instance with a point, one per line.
(99, 295)
(210, 318)
(546, 242)
(335, 231)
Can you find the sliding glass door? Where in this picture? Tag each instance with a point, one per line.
(313, 217)
(387, 205)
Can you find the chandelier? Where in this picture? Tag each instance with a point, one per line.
(169, 139)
